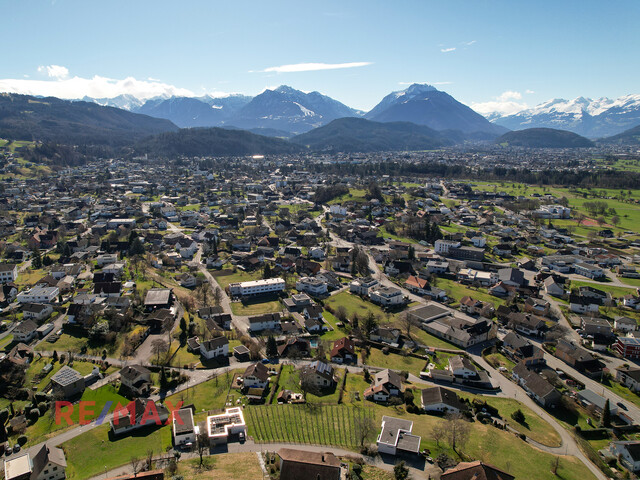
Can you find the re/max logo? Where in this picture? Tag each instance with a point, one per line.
(86, 413)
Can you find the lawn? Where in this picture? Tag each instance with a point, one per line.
(95, 451)
(46, 426)
(622, 391)
(334, 334)
(257, 306)
(226, 277)
(290, 380)
(354, 304)
(499, 360)
(431, 340)
(230, 466)
(6, 341)
(634, 282)
(395, 362)
(612, 289)
(456, 291)
(209, 395)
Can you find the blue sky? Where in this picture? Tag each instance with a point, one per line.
(479, 51)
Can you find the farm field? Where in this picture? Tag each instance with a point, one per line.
(316, 425)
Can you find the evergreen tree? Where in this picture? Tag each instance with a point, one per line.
(272, 347)
(36, 262)
(267, 270)
(606, 415)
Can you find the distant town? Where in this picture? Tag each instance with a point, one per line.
(462, 313)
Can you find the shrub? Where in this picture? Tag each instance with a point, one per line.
(22, 439)
(518, 416)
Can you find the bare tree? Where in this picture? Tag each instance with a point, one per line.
(407, 322)
(158, 347)
(135, 465)
(149, 458)
(202, 442)
(217, 296)
(439, 432)
(307, 384)
(457, 430)
(365, 427)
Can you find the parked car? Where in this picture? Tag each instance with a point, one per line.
(622, 405)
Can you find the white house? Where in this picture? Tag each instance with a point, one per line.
(440, 400)
(8, 272)
(256, 376)
(442, 246)
(268, 321)
(39, 295)
(106, 259)
(588, 270)
(386, 296)
(214, 348)
(362, 285)
(628, 452)
(184, 431)
(395, 436)
(221, 427)
(49, 463)
(312, 286)
(257, 287)
(36, 311)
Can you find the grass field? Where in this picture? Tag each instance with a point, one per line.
(257, 306)
(395, 362)
(457, 291)
(94, 451)
(431, 340)
(354, 304)
(317, 425)
(612, 289)
(225, 277)
(230, 466)
(209, 395)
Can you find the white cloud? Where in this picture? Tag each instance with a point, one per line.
(96, 87)
(447, 50)
(428, 83)
(529, 92)
(468, 44)
(311, 67)
(509, 95)
(54, 71)
(504, 104)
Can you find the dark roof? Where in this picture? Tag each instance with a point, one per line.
(66, 376)
(475, 471)
(183, 421)
(45, 455)
(132, 371)
(215, 342)
(432, 396)
(300, 464)
(158, 296)
(257, 370)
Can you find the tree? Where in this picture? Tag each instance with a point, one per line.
(364, 427)
(267, 270)
(615, 220)
(307, 384)
(439, 432)
(36, 262)
(518, 416)
(217, 296)
(369, 324)
(407, 322)
(135, 465)
(341, 313)
(272, 347)
(458, 430)
(136, 248)
(202, 442)
(400, 471)
(606, 415)
(158, 347)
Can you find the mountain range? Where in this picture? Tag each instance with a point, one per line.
(590, 118)
(285, 111)
(543, 138)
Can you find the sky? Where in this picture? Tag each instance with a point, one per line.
(491, 55)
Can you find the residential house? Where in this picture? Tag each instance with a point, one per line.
(580, 304)
(215, 348)
(578, 358)
(386, 296)
(629, 377)
(25, 331)
(67, 383)
(520, 349)
(625, 324)
(36, 311)
(536, 386)
(299, 464)
(319, 374)
(268, 321)
(461, 367)
(256, 376)
(628, 347)
(362, 286)
(628, 452)
(139, 414)
(537, 306)
(185, 431)
(527, 324)
(8, 272)
(387, 335)
(396, 437)
(343, 351)
(312, 286)
(39, 295)
(441, 400)
(476, 470)
(48, 463)
(136, 379)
